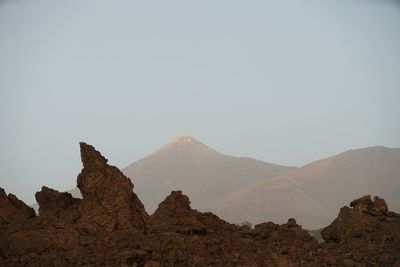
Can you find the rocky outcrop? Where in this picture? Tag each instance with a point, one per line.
(365, 233)
(376, 207)
(365, 215)
(109, 227)
(175, 215)
(108, 202)
(12, 209)
(51, 202)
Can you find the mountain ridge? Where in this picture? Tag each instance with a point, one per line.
(327, 183)
(189, 165)
(244, 189)
(109, 226)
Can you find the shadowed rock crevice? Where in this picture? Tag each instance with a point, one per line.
(109, 227)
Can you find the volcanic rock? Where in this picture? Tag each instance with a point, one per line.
(366, 231)
(174, 214)
(354, 222)
(109, 227)
(377, 207)
(52, 202)
(108, 202)
(12, 209)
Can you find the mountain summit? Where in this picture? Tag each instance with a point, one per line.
(184, 149)
(189, 165)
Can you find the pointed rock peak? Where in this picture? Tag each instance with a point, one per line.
(91, 158)
(176, 201)
(175, 215)
(108, 201)
(12, 209)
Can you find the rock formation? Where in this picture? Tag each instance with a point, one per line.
(109, 227)
(12, 209)
(108, 202)
(366, 233)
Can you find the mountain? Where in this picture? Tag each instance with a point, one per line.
(244, 189)
(109, 226)
(206, 175)
(312, 194)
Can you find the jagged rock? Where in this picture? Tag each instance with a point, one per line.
(109, 227)
(108, 202)
(12, 209)
(174, 214)
(362, 203)
(52, 202)
(292, 223)
(362, 232)
(377, 207)
(355, 222)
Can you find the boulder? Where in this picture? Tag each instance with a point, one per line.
(376, 207)
(364, 233)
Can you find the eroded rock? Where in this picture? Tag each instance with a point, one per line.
(12, 209)
(108, 202)
(109, 227)
(52, 202)
(365, 231)
(376, 207)
(174, 214)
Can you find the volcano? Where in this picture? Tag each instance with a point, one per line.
(203, 173)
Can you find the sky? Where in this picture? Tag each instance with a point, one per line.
(287, 82)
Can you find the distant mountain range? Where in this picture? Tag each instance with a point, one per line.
(204, 174)
(312, 194)
(245, 189)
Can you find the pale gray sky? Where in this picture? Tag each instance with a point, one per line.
(287, 82)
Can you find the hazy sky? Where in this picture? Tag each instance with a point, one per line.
(287, 82)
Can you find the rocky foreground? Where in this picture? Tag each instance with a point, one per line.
(110, 227)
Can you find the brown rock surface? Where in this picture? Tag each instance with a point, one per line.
(364, 235)
(109, 227)
(12, 209)
(52, 202)
(108, 202)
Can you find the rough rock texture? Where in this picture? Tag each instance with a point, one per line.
(365, 235)
(12, 209)
(108, 202)
(175, 215)
(13, 213)
(351, 223)
(52, 202)
(109, 227)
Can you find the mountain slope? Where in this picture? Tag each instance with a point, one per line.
(313, 193)
(199, 171)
